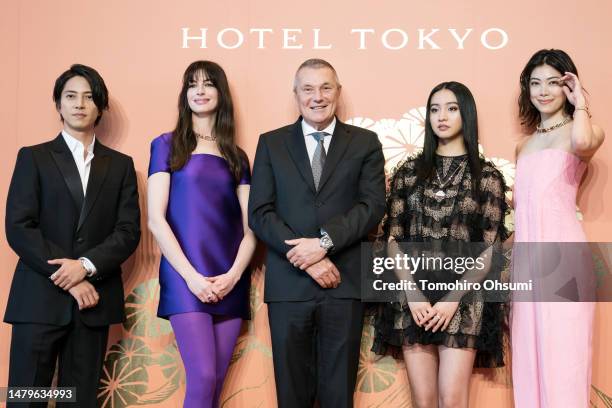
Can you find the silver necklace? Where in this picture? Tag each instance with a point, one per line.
(442, 184)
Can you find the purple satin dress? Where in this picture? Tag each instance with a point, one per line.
(205, 216)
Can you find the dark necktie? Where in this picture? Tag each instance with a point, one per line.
(318, 160)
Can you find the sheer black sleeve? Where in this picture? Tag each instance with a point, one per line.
(494, 207)
(396, 219)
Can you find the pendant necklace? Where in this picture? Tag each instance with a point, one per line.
(442, 184)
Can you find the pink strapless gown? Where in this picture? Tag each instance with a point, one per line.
(551, 342)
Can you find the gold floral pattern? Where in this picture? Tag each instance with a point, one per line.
(249, 341)
(124, 377)
(141, 311)
(170, 364)
(605, 399)
(375, 373)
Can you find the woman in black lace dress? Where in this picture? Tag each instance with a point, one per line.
(446, 194)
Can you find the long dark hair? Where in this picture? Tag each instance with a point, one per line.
(426, 165)
(559, 60)
(184, 140)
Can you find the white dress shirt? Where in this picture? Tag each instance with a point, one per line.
(311, 143)
(83, 164)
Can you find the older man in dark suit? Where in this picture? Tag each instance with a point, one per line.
(318, 188)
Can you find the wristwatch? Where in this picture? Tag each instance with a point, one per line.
(326, 242)
(88, 271)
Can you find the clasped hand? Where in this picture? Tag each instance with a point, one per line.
(305, 252)
(85, 294)
(70, 276)
(70, 273)
(212, 289)
(325, 273)
(308, 255)
(434, 318)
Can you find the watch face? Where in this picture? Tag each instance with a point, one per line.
(326, 242)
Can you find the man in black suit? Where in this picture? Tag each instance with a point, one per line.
(318, 188)
(72, 217)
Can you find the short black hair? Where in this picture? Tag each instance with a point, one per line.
(98, 87)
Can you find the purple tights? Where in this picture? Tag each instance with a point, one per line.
(206, 343)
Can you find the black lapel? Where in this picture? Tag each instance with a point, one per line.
(339, 142)
(97, 174)
(297, 149)
(65, 163)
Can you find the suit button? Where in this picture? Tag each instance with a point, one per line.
(318, 204)
(80, 240)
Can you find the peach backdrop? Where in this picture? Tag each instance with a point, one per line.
(137, 47)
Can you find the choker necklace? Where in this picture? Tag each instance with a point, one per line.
(210, 138)
(565, 121)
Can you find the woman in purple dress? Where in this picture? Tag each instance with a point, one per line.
(198, 191)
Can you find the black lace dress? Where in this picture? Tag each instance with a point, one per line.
(415, 213)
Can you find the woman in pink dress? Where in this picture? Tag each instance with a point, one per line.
(551, 338)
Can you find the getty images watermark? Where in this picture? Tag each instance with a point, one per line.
(547, 272)
(450, 265)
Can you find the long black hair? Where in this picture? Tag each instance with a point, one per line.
(559, 60)
(184, 140)
(426, 165)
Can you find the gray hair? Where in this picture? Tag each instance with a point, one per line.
(315, 63)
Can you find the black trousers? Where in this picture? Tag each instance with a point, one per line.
(315, 347)
(36, 347)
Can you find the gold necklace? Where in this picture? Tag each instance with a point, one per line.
(210, 138)
(565, 121)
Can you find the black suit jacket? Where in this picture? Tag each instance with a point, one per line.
(48, 216)
(284, 204)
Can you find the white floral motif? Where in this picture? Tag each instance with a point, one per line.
(399, 138)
